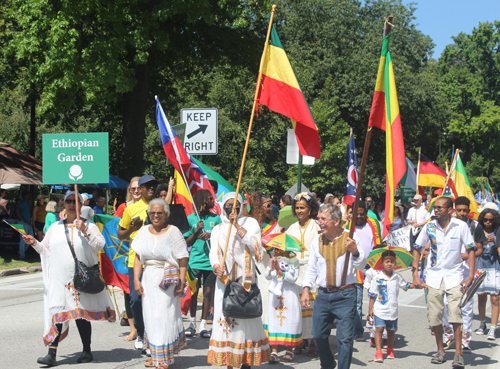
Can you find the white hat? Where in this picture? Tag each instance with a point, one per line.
(84, 197)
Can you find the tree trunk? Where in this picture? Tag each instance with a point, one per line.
(134, 109)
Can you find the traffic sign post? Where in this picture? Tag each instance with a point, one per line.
(201, 133)
(75, 158)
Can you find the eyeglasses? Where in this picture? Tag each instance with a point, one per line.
(154, 213)
(135, 189)
(441, 207)
(486, 220)
(149, 185)
(68, 201)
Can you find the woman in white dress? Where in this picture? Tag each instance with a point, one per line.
(62, 302)
(306, 208)
(238, 342)
(161, 247)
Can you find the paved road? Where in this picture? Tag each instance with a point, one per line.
(21, 309)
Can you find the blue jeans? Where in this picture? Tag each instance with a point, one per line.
(358, 322)
(135, 304)
(330, 306)
(23, 246)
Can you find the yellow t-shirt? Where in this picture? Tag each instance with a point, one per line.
(138, 208)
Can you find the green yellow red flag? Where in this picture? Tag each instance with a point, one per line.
(385, 115)
(462, 185)
(17, 227)
(280, 91)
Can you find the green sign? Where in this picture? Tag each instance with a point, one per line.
(180, 131)
(70, 158)
(407, 194)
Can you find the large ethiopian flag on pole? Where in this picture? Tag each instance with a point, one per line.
(385, 115)
(280, 91)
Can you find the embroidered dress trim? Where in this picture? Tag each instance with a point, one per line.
(236, 354)
(283, 338)
(164, 354)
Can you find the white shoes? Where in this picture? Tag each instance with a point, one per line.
(138, 343)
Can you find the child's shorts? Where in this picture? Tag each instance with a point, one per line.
(390, 325)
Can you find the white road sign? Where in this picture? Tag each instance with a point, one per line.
(201, 135)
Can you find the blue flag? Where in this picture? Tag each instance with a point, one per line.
(352, 173)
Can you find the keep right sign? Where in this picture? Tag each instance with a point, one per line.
(201, 134)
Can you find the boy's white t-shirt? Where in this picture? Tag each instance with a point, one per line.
(369, 275)
(386, 291)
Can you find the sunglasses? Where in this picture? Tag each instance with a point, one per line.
(154, 213)
(135, 189)
(149, 185)
(441, 207)
(68, 201)
(486, 220)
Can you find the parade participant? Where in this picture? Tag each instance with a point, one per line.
(370, 212)
(99, 207)
(133, 195)
(86, 212)
(132, 220)
(383, 293)
(198, 241)
(417, 217)
(306, 208)
(166, 192)
(285, 318)
(398, 219)
(62, 302)
(160, 246)
(23, 213)
(333, 301)
(379, 210)
(38, 218)
(445, 273)
(51, 217)
(365, 233)
(236, 342)
(489, 262)
(285, 200)
(462, 210)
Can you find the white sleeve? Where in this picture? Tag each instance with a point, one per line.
(214, 243)
(312, 265)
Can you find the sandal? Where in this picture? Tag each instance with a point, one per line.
(162, 366)
(298, 349)
(288, 356)
(130, 338)
(206, 334)
(274, 359)
(149, 363)
(190, 332)
(313, 351)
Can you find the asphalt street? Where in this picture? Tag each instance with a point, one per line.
(21, 309)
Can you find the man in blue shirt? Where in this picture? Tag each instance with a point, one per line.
(98, 208)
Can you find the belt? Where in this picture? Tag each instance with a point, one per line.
(336, 289)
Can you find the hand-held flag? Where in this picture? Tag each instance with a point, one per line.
(352, 173)
(385, 115)
(18, 227)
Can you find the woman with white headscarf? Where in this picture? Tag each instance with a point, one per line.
(62, 302)
(236, 342)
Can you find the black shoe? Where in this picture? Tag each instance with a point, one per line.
(47, 360)
(85, 357)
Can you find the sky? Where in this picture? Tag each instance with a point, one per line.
(442, 19)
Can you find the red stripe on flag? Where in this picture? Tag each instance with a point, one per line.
(111, 277)
(377, 114)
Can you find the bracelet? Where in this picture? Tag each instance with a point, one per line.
(242, 232)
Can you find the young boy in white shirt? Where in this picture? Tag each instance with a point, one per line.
(383, 294)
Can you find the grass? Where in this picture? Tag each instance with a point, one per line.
(9, 261)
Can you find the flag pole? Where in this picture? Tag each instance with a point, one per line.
(257, 89)
(418, 165)
(299, 175)
(387, 30)
(76, 202)
(448, 176)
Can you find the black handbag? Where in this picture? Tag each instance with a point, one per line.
(86, 279)
(240, 303)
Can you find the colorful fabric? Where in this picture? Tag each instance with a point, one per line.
(280, 91)
(224, 187)
(410, 177)
(431, 231)
(114, 258)
(385, 115)
(382, 290)
(430, 175)
(352, 173)
(462, 185)
(17, 227)
(331, 252)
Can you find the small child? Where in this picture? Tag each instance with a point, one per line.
(383, 308)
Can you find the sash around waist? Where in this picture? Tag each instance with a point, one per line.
(156, 263)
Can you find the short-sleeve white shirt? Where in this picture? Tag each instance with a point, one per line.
(386, 291)
(420, 214)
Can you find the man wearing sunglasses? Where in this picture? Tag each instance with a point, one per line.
(448, 237)
(129, 226)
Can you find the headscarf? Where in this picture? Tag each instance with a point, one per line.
(68, 193)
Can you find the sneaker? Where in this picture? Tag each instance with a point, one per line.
(379, 357)
(448, 340)
(210, 318)
(458, 361)
(138, 343)
(390, 353)
(491, 334)
(482, 328)
(439, 358)
(146, 352)
(85, 357)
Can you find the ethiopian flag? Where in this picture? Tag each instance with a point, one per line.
(385, 115)
(280, 91)
(462, 185)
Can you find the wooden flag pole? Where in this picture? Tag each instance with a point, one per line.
(387, 30)
(76, 202)
(448, 176)
(257, 89)
(418, 165)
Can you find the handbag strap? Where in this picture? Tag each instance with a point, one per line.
(69, 242)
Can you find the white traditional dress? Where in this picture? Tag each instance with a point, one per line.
(236, 341)
(305, 236)
(163, 328)
(62, 302)
(285, 318)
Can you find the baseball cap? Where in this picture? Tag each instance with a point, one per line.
(417, 197)
(328, 195)
(147, 178)
(85, 197)
(89, 196)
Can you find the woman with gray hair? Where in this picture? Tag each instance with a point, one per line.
(51, 216)
(161, 248)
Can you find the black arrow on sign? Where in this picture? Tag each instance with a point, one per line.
(202, 128)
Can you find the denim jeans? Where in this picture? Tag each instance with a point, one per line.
(358, 322)
(330, 306)
(135, 304)
(23, 246)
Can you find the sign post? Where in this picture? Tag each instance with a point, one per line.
(201, 133)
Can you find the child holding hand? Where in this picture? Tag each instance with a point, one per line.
(383, 308)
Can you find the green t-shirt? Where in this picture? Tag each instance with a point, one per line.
(198, 258)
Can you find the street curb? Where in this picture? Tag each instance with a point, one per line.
(23, 270)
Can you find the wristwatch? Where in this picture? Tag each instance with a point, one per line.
(356, 255)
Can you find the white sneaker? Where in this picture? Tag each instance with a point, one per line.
(491, 334)
(138, 343)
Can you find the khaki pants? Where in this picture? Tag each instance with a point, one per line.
(435, 305)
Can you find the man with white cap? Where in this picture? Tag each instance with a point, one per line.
(417, 217)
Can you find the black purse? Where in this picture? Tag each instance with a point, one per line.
(86, 279)
(240, 303)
